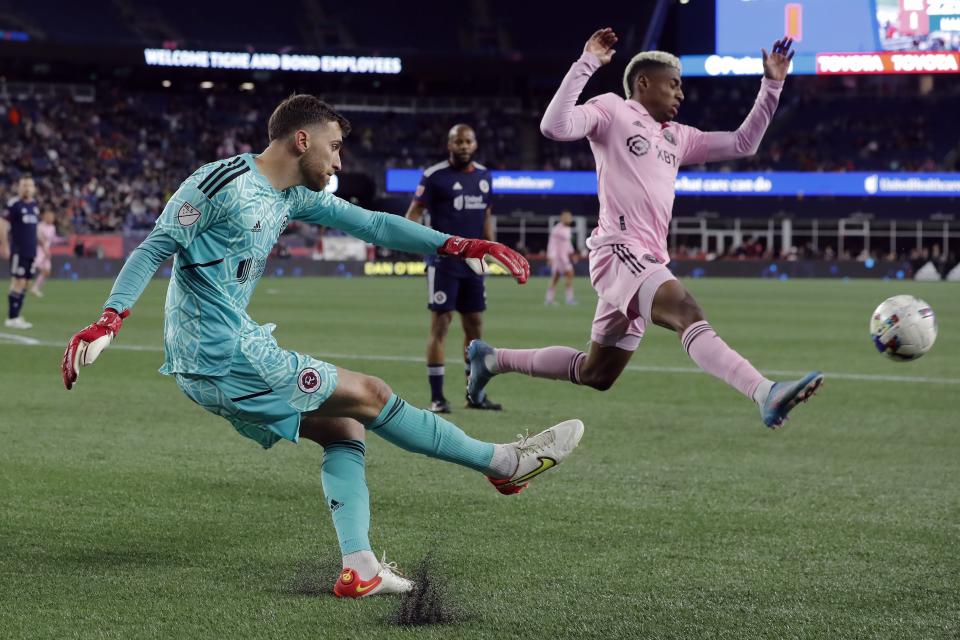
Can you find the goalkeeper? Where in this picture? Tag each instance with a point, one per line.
(221, 225)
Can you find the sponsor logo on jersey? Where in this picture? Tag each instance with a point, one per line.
(309, 380)
(457, 186)
(257, 228)
(469, 202)
(667, 158)
(484, 186)
(650, 258)
(188, 214)
(638, 145)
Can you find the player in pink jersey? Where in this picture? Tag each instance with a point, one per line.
(638, 150)
(559, 250)
(46, 236)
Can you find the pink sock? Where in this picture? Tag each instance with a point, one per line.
(557, 363)
(39, 283)
(550, 293)
(713, 355)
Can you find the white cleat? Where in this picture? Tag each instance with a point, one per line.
(388, 580)
(17, 323)
(539, 453)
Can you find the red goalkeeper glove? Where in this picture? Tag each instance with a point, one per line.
(85, 346)
(473, 251)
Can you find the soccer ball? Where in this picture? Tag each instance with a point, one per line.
(903, 328)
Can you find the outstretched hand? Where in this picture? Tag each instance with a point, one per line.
(87, 344)
(473, 251)
(777, 62)
(600, 44)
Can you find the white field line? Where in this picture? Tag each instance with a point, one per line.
(333, 357)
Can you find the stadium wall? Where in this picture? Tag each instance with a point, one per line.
(82, 268)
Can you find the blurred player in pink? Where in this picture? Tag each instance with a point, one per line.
(638, 150)
(46, 236)
(559, 250)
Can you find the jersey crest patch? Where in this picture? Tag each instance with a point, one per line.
(309, 380)
(638, 145)
(188, 214)
(484, 186)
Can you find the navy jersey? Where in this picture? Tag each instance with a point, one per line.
(457, 202)
(23, 218)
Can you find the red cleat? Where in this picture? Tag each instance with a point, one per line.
(503, 486)
(388, 580)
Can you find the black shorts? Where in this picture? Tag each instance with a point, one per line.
(21, 266)
(453, 290)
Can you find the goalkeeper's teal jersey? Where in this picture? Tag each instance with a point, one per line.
(221, 224)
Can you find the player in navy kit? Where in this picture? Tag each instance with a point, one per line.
(22, 216)
(456, 193)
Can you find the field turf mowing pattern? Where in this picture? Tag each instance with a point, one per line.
(126, 511)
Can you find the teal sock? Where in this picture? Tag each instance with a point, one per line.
(345, 488)
(424, 432)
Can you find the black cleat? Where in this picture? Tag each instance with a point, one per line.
(440, 406)
(484, 404)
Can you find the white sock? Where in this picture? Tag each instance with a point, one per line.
(760, 395)
(363, 562)
(490, 362)
(504, 462)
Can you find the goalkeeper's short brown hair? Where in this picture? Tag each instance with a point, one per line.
(302, 110)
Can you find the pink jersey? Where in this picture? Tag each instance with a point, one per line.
(46, 234)
(638, 158)
(559, 246)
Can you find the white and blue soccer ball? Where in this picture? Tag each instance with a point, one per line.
(903, 328)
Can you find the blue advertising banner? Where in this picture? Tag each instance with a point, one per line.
(742, 65)
(786, 183)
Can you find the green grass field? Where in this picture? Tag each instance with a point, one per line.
(126, 511)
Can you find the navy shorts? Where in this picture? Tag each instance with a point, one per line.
(21, 266)
(453, 290)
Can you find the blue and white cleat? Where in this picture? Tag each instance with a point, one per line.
(784, 396)
(480, 375)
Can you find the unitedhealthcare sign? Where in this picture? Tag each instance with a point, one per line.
(786, 183)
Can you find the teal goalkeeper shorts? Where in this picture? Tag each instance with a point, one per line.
(266, 390)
